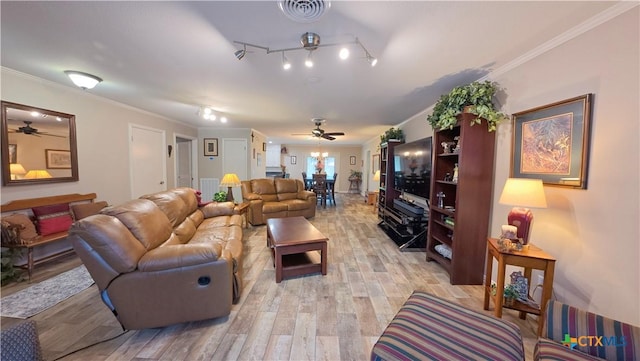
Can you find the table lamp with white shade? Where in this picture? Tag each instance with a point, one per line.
(230, 180)
(523, 193)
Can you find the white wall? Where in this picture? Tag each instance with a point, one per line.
(102, 132)
(594, 233)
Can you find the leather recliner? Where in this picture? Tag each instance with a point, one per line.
(277, 198)
(160, 259)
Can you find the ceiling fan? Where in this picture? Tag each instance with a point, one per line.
(320, 133)
(29, 130)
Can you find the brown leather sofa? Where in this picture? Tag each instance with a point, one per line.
(160, 259)
(277, 198)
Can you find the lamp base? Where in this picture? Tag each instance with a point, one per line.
(521, 218)
(229, 195)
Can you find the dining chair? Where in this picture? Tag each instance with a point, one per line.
(320, 188)
(333, 188)
(305, 181)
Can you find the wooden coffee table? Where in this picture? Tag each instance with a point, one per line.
(294, 242)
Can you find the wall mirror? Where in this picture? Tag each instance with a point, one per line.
(38, 145)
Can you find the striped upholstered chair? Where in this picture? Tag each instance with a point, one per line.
(431, 328)
(573, 334)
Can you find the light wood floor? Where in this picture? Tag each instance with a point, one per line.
(334, 317)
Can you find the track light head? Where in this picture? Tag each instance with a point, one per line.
(373, 61)
(241, 53)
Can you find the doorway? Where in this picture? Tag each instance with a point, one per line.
(148, 168)
(185, 157)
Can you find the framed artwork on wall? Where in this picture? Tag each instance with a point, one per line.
(13, 153)
(58, 159)
(264, 147)
(551, 142)
(375, 163)
(352, 160)
(210, 147)
(294, 159)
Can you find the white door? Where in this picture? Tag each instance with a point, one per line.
(147, 152)
(183, 163)
(234, 160)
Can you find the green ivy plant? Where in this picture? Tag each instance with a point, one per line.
(9, 271)
(220, 196)
(478, 96)
(355, 174)
(392, 133)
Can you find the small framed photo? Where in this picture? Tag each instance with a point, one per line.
(210, 147)
(264, 147)
(294, 159)
(551, 142)
(375, 163)
(259, 159)
(352, 160)
(58, 159)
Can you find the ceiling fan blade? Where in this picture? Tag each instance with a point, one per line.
(334, 133)
(49, 135)
(327, 136)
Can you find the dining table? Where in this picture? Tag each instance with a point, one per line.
(330, 183)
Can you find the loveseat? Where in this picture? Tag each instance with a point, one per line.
(277, 198)
(160, 260)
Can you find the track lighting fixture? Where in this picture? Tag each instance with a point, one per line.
(241, 53)
(286, 65)
(208, 113)
(310, 42)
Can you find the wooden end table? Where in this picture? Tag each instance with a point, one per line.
(532, 258)
(241, 209)
(292, 241)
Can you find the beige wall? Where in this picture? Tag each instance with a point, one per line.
(102, 132)
(593, 233)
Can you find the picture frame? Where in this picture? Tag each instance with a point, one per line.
(264, 147)
(210, 147)
(551, 142)
(294, 159)
(352, 160)
(259, 159)
(13, 153)
(57, 158)
(375, 163)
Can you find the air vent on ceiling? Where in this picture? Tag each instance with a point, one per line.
(304, 11)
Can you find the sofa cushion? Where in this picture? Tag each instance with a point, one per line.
(549, 350)
(144, 219)
(274, 207)
(52, 219)
(286, 189)
(188, 196)
(431, 328)
(28, 229)
(296, 204)
(171, 204)
(215, 209)
(265, 188)
(185, 230)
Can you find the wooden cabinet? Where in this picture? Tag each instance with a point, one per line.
(458, 228)
(387, 191)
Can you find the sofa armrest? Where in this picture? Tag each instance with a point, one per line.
(215, 209)
(305, 195)
(182, 255)
(619, 340)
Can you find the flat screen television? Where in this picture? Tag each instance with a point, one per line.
(412, 165)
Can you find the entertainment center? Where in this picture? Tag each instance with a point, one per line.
(405, 168)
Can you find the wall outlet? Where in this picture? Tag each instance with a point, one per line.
(540, 279)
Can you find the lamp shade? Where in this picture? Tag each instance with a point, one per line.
(376, 175)
(230, 180)
(37, 174)
(523, 192)
(16, 169)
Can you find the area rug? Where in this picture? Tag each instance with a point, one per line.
(46, 294)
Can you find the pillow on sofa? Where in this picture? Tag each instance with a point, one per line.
(83, 210)
(28, 229)
(52, 219)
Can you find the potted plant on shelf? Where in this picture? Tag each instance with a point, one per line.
(392, 133)
(220, 196)
(475, 98)
(510, 295)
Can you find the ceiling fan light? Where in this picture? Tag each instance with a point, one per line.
(223, 119)
(83, 80)
(286, 65)
(309, 62)
(344, 53)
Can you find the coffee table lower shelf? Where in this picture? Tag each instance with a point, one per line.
(301, 264)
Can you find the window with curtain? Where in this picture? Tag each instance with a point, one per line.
(327, 164)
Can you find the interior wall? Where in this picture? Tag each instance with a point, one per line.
(593, 233)
(102, 137)
(211, 166)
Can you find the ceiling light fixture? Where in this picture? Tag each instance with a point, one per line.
(286, 64)
(310, 42)
(83, 80)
